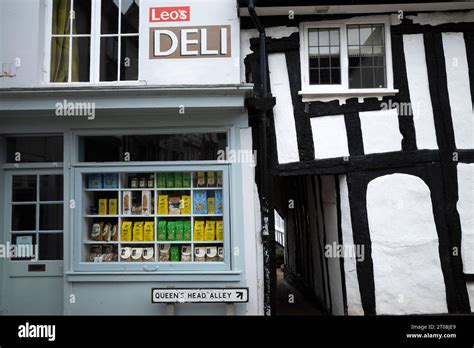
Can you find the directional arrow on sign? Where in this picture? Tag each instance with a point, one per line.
(240, 295)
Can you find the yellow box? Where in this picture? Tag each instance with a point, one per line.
(126, 232)
(185, 204)
(138, 231)
(220, 230)
(210, 231)
(198, 230)
(163, 204)
(149, 231)
(103, 206)
(211, 205)
(113, 203)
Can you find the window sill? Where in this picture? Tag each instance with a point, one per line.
(343, 95)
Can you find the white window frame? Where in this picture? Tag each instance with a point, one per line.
(95, 38)
(333, 91)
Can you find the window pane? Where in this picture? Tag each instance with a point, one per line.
(323, 37)
(51, 217)
(35, 149)
(82, 17)
(324, 57)
(354, 78)
(378, 35)
(313, 37)
(108, 58)
(50, 246)
(24, 188)
(129, 16)
(365, 33)
(336, 76)
(60, 22)
(80, 59)
(353, 35)
(51, 188)
(314, 76)
(25, 246)
(324, 76)
(367, 78)
(59, 59)
(334, 37)
(24, 217)
(109, 17)
(129, 58)
(379, 77)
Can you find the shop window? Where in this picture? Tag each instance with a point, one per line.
(36, 219)
(34, 149)
(163, 147)
(74, 40)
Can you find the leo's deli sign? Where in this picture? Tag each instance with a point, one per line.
(173, 42)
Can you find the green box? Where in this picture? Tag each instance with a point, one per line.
(187, 179)
(160, 180)
(174, 253)
(186, 230)
(170, 180)
(161, 230)
(179, 230)
(178, 179)
(171, 231)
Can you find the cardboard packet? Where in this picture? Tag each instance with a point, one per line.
(201, 179)
(211, 254)
(174, 253)
(94, 181)
(138, 231)
(146, 202)
(178, 179)
(179, 230)
(199, 254)
(200, 202)
(149, 230)
(103, 206)
(186, 253)
(219, 179)
(126, 254)
(220, 254)
(110, 181)
(109, 255)
(95, 253)
(219, 230)
(186, 179)
(126, 232)
(162, 230)
(171, 230)
(198, 230)
(114, 233)
(210, 230)
(210, 205)
(127, 202)
(163, 204)
(187, 230)
(160, 180)
(211, 179)
(174, 203)
(96, 232)
(170, 180)
(113, 203)
(150, 183)
(185, 204)
(164, 253)
(107, 232)
(218, 202)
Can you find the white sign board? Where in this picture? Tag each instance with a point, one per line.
(189, 42)
(222, 295)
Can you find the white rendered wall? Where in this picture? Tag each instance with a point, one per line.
(465, 208)
(470, 291)
(457, 74)
(407, 268)
(354, 302)
(380, 131)
(285, 128)
(417, 76)
(329, 136)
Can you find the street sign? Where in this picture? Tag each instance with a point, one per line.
(206, 295)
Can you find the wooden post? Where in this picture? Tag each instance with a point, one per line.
(170, 309)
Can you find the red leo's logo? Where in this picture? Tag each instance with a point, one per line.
(170, 14)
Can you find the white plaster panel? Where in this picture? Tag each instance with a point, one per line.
(457, 73)
(329, 136)
(407, 268)
(354, 302)
(465, 206)
(418, 86)
(285, 127)
(380, 131)
(470, 291)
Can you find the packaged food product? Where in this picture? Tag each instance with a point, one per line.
(163, 204)
(160, 180)
(218, 202)
(94, 181)
(210, 230)
(148, 254)
(164, 252)
(179, 230)
(138, 231)
(148, 233)
(126, 232)
(126, 254)
(169, 180)
(146, 202)
(96, 232)
(94, 254)
(219, 230)
(210, 205)
(142, 182)
(162, 230)
(186, 253)
(108, 254)
(201, 179)
(198, 230)
(173, 204)
(113, 203)
(187, 179)
(211, 179)
(114, 232)
(134, 182)
(185, 204)
(199, 254)
(127, 202)
(174, 253)
(151, 181)
(171, 230)
(187, 230)
(220, 254)
(137, 254)
(211, 254)
(200, 202)
(103, 206)
(107, 232)
(219, 179)
(178, 179)
(110, 181)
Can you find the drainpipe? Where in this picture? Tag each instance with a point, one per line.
(268, 230)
